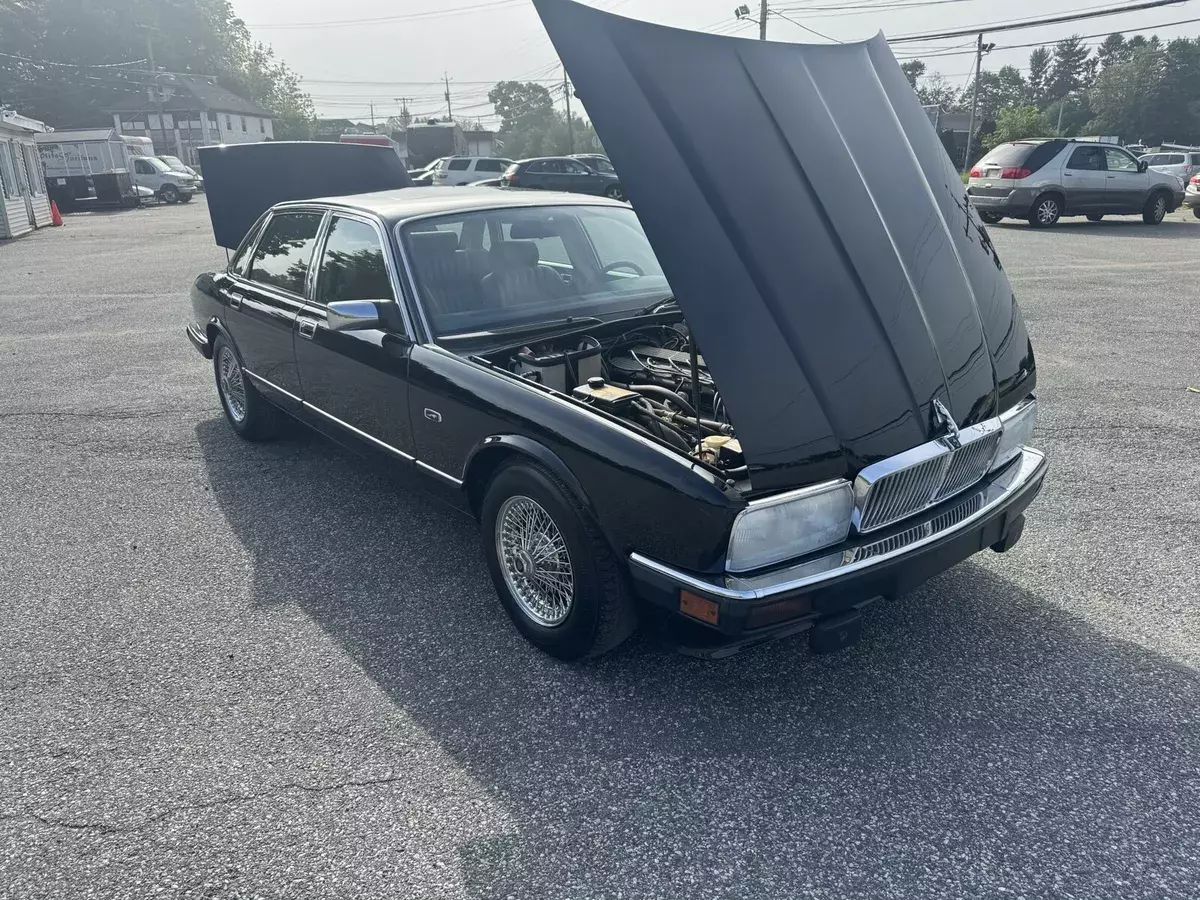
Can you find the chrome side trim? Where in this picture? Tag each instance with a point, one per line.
(1028, 468)
(362, 434)
(258, 379)
(450, 479)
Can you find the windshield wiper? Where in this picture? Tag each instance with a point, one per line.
(657, 306)
(523, 329)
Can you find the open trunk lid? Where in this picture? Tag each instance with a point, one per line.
(817, 237)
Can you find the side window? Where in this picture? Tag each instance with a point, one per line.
(458, 165)
(1087, 158)
(353, 266)
(536, 168)
(285, 251)
(1196, 159)
(240, 264)
(574, 168)
(1175, 159)
(142, 167)
(1120, 161)
(489, 165)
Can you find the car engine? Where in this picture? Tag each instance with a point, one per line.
(652, 377)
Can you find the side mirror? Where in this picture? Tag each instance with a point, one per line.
(354, 315)
(1143, 165)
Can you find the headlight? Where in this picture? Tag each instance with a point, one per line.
(792, 524)
(1018, 425)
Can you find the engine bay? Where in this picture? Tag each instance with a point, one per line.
(651, 376)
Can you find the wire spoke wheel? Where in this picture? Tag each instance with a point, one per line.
(534, 560)
(233, 388)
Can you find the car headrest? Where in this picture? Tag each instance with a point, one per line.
(514, 255)
(433, 242)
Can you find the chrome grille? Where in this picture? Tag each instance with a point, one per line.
(939, 523)
(903, 485)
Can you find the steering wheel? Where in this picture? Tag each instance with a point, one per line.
(623, 264)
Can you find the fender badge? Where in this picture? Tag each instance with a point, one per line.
(943, 421)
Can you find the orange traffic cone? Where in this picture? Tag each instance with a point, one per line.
(55, 216)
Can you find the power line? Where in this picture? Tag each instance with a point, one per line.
(46, 62)
(805, 27)
(401, 17)
(1031, 23)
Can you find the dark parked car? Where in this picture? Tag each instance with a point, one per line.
(561, 173)
(746, 406)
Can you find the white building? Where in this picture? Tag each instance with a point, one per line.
(195, 112)
(24, 205)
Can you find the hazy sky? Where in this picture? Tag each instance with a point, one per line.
(491, 40)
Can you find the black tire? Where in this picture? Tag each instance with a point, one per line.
(259, 419)
(185, 198)
(1095, 217)
(615, 192)
(1046, 211)
(1157, 206)
(169, 193)
(991, 218)
(1196, 211)
(600, 613)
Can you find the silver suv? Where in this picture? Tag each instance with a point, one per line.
(1043, 180)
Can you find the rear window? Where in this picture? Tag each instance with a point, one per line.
(458, 165)
(1024, 155)
(1196, 159)
(489, 165)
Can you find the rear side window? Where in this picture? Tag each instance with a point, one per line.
(1174, 159)
(1196, 159)
(1090, 159)
(458, 165)
(489, 165)
(285, 251)
(352, 266)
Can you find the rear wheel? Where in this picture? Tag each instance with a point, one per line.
(615, 192)
(554, 572)
(1046, 211)
(990, 217)
(1095, 217)
(1156, 208)
(1196, 211)
(247, 412)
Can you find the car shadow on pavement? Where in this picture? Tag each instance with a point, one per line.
(1124, 228)
(978, 736)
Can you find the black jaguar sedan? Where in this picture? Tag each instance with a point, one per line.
(753, 407)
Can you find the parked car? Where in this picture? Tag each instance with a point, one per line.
(1183, 165)
(595, 162)
(424, 177)
(168, 186)
(858, 419)
(1191, 196)
(561, 173)
(457, 170)
(177, 165)
(490, 182)
(1044, 180)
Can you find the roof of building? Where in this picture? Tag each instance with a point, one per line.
(79, 134)
(14, 119)
(188, 92)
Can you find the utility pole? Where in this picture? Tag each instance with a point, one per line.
(449, 111)
(570, 126)
(980, 49)
(162, 119)
(1061, 104)
(762, 21)
(405, 117)
(371, 104)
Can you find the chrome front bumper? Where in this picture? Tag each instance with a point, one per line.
(1017, 481)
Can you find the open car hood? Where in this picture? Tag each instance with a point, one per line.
(242, 181)
(816, 235)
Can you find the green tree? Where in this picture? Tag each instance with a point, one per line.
(1039, 73)
(1124, 99)
(913, 69)
(1068, 69)
(1113, 51)
(1016, 123)
(937, 91)
(522, 105)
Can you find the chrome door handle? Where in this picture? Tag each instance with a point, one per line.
(308, 327)
(235, 300)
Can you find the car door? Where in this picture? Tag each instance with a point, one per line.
(145, 175)
(355, 382)
(264, 303)
(1083, 179)
(1125, 183)
(580, 179)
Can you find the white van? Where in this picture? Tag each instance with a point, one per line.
(168, 185)
(465, 169)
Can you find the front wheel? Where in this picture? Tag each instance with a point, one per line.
(554, 572)
(1046, 211)
(991, 218)
(185, 198)
(248, 413)
(615, 192)
(1095, 217)
(1155, 209)
(170, 194)
(1196, 211)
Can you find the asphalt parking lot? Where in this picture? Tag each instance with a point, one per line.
(233, 671)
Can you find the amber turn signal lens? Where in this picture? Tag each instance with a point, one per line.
(699, 607)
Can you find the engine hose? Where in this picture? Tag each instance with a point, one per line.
(707, 425)
(659, 427)
(665, 393)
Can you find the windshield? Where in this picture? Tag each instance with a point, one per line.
(497, 269)
(157, 163)
(174, 162)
